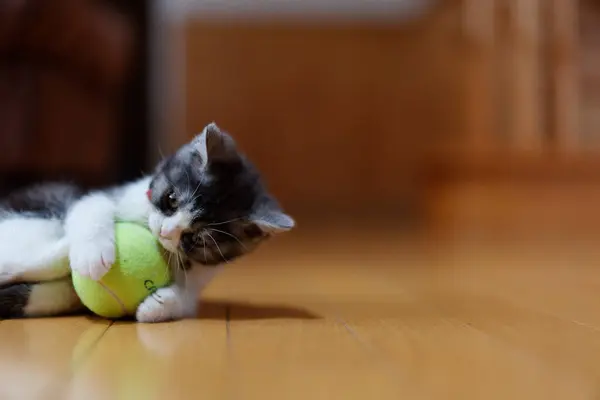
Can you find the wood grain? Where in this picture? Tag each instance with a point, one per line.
(39, 357)
(527, 130)
(344, 314)
(565, 73)
(480, 73)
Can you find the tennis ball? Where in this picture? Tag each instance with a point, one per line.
(138, 271)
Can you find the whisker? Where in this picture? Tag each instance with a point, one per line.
(188, 180)
(204, 244)
(194, 192)
(178, 257)
(193, 200)
(229, 234)
(160, 152)
(169, 259)
(216, 244)
(168, 262)
(224, 222)
(182, 268)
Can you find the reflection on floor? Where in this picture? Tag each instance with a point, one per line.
(348, 314)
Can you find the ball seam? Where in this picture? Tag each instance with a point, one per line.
(115, 297)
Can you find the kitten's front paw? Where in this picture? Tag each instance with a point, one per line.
(163, 305)
(93, 258)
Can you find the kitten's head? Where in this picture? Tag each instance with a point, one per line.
(209, 204)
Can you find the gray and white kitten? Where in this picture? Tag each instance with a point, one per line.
(206, 204)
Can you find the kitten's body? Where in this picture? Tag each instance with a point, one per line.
(206, 205)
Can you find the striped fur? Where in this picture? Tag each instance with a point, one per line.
(41, 299)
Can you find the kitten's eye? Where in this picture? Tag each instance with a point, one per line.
(170, 201)
(173, 202)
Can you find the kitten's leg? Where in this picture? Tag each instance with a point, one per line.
(179, 300)
(166, 304)
(56, 297)
(47, 263)
(89, 228)
(32, 249)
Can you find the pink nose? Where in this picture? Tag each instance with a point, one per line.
(169, 233)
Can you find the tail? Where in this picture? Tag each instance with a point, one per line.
(39, 299)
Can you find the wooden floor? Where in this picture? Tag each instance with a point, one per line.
(346, 314)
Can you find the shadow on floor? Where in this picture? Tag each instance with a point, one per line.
(235, 311)
(241, 311)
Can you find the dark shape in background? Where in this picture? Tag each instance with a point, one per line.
(72, 91)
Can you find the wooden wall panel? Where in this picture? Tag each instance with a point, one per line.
(337, 117)
(589, 74)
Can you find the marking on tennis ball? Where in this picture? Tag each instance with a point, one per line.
(150, 286)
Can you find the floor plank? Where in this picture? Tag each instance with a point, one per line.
(367, 314)
(174, 360)
(300, 359)
(39, 356)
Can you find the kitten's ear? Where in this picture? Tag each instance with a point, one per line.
(272, 221)
(213, 144)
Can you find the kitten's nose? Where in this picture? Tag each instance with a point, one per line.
(169, 233)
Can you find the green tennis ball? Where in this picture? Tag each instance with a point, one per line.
(139, 270)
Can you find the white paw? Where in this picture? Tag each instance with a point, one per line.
(163, 305)
(93, 258)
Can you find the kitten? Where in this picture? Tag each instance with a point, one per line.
(206, 204)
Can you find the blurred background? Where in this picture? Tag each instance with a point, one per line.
(472, 116)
